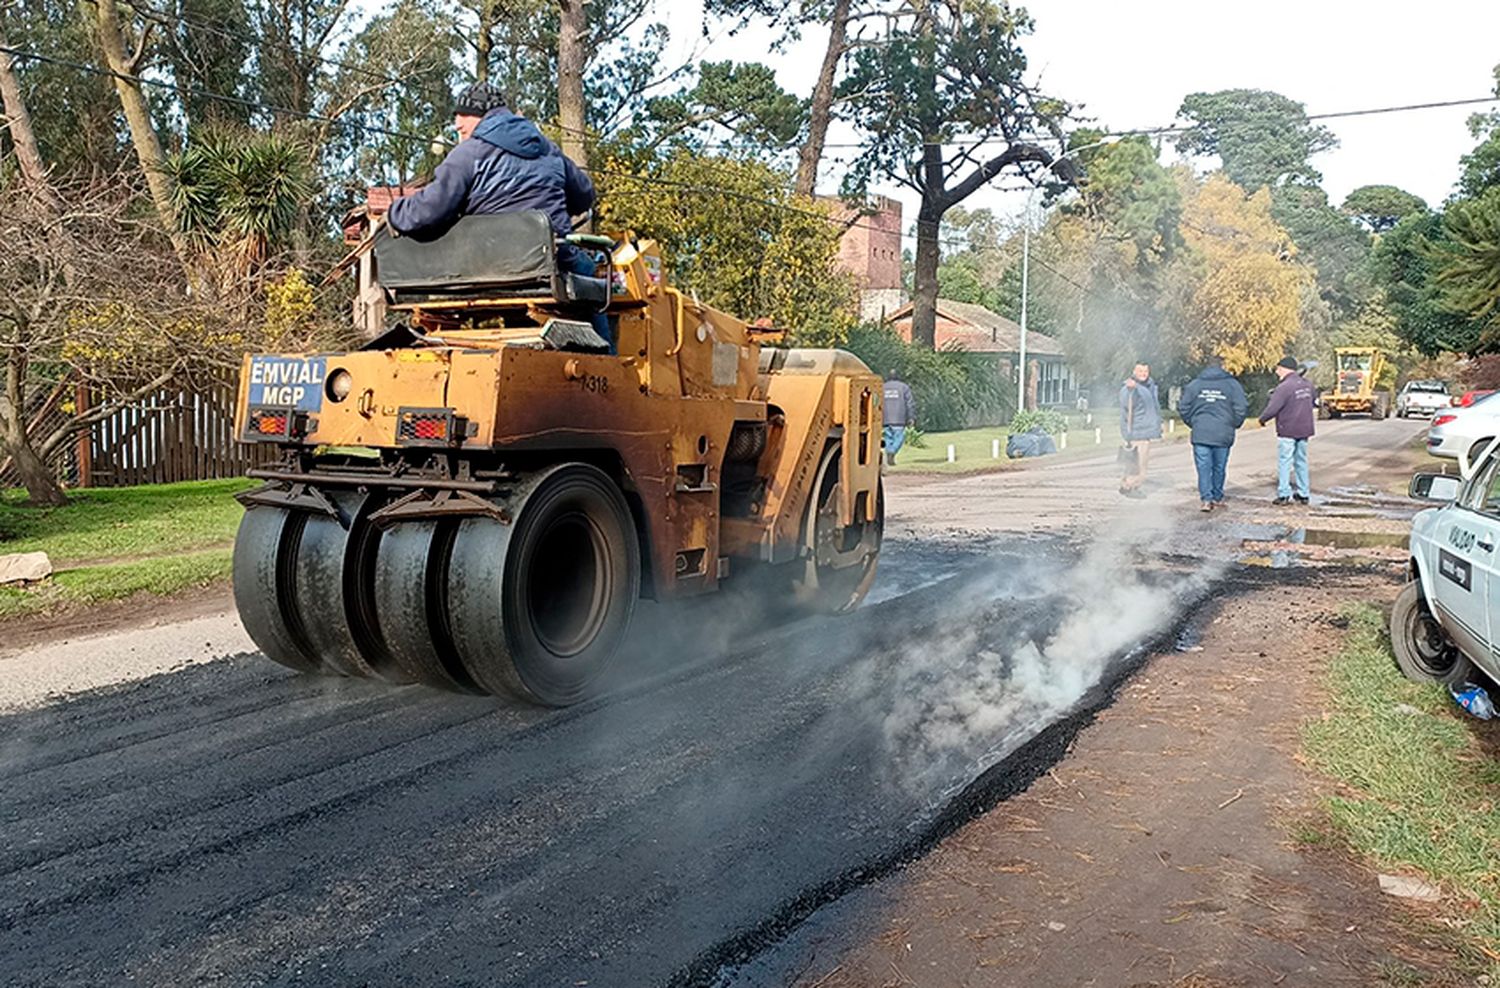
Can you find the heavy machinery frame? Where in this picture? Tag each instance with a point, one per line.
(1360, 386)
(475, 499)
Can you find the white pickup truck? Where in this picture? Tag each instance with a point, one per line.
(1446, 620)
(1424, 398)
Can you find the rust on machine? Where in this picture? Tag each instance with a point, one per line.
(476, 498)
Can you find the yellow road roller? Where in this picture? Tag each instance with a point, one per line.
(477, 498)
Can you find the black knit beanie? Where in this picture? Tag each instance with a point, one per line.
(477, 100)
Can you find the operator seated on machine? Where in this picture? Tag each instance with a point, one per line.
(502, 164)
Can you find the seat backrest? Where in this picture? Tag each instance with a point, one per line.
(501, 251)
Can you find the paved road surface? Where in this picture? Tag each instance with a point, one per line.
(227, 822)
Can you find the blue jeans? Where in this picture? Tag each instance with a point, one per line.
(895, 438)
(582, 262)
(1211, 461)
(1291, 457)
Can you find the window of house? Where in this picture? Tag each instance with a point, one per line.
(1053, 383)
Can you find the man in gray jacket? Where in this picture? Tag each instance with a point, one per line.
(1292, 405)
(1213, 404)
(1140, 422)
(898, 413)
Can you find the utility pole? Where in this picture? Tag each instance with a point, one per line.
(1025, 291)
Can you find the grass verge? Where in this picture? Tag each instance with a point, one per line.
(111, 543)
(1419, 780)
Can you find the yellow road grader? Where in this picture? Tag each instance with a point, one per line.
(476, 499)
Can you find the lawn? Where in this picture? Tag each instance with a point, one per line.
(973, 448)
(110, 543)
(1418, 779)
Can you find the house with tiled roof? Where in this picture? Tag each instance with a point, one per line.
(1050, 381)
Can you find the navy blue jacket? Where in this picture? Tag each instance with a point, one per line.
(505, 167)
(1214, 404)
(1146, 422)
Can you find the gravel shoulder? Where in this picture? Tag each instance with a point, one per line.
(1177, 844)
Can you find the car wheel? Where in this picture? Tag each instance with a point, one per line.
(1423, 651)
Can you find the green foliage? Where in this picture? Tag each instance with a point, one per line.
(1381, 207)
(1049, 420)
(1262, 138)
(238, 187)
(941, 71)
(954, 389)
(1336, 247)
(207, 50)
(1406, 262)
(736, 236)
(741, 98)
(417, 44)
(1131, 195)
(1468, 276)
(1481, 167)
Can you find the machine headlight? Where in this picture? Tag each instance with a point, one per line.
(340, 384)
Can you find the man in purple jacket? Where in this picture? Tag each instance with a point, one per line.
(1292, 406)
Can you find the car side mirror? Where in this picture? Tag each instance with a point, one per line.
(1442, 487)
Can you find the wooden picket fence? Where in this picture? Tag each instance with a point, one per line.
(172, 435)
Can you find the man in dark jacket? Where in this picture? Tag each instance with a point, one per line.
(1213, 404)
(1292, 406)
(502, 164)
(898, 413)
(1140, 423)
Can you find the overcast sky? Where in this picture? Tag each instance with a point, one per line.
(1130, 64)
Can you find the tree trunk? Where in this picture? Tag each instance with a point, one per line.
(925, 281)
(484, 40)
(822, 100)
(18, 117)
(41, 486)
(929, 251)
(138, 117)
(572, 59)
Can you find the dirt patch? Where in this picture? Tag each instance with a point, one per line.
(143, 610)
(1177, 844)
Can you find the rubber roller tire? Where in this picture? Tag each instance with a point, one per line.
(410, 569)
(264, 549)
(333, 591)
(538, 607)
(822, 590)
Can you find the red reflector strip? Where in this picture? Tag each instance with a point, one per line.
(430, 429)
(269, 425)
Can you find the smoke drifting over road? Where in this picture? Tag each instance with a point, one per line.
(1016, 647)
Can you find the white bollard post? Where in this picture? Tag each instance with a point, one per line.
(994, 449)
(1171, 426)
(952, 453)
(1062, 441)
(1088, 419)
(1098, 436)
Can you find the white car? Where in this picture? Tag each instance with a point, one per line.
(1424, 398)
(1460, 433)
(1446, 620)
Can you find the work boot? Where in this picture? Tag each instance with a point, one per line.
(1206, 506)
(1300, 498)
(1282, 501)
(1134, 493)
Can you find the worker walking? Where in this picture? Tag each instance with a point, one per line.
(1140, 423)
(1292, 405)
(898, 413)
(1213, 405)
